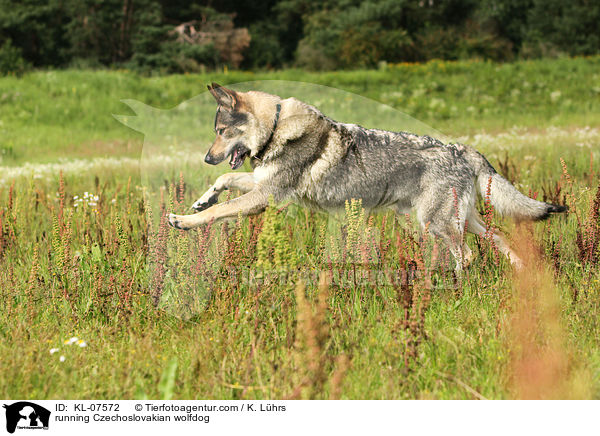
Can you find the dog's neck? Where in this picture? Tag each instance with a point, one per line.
(263, 150)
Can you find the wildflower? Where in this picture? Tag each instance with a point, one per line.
(53, 350)
(82, 343)
(62, 358)
(87, 199)
(73, 340)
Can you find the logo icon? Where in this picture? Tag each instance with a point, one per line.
(26, 415)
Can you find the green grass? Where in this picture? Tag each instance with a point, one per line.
(167, 314)
(48, 115)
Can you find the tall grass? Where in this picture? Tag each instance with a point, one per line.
(186, 315)
(293, 303)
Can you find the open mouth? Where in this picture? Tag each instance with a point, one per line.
(238, 155)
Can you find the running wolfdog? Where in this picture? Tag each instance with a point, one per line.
(298, 153)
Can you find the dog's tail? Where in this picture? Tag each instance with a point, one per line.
(505, 198)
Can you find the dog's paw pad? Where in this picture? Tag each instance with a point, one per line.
(173, 221)
(200, 206)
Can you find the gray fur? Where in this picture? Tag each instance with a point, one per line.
(323, 163)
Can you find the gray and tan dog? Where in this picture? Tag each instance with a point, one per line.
(298, 153)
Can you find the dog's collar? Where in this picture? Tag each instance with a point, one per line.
(263, 150)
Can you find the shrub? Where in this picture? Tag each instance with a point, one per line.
(369, 43)
(11, 59)
(472, 41)
(265, 48)
(569, 27)
(312, 58)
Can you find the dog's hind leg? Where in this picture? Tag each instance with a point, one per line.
(454, 241)
(476, 225)
(445, 219)
(441, 224)
(243, 182)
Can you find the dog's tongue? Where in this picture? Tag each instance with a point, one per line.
(236, 160)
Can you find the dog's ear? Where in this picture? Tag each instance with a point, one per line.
(227, 98)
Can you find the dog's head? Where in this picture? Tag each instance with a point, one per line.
(240, 131)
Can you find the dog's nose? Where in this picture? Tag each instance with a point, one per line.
(209, 159)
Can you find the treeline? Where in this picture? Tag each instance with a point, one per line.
(192, 35)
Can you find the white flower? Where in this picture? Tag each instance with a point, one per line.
(82, 343)
(73, 340)
(53, 350)
(62, 358)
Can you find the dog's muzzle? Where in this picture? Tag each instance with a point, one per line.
(238, 155)
(209, 159)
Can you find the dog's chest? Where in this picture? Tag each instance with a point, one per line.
(263, 173)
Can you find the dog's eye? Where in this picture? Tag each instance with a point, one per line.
(220, 131)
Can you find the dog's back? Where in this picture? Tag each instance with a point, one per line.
(401, 169)
(301, 154)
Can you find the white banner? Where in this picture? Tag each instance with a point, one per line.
(247, 417)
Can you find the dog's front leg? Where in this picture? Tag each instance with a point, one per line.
(241, 181)
(250, 203)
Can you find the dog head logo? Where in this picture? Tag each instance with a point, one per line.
(26, 415)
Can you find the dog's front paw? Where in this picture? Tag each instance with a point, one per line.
(176, 221)
(202, 204)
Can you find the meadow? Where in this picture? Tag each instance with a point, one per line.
(101, 299)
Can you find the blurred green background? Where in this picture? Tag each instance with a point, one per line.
(192, 36)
